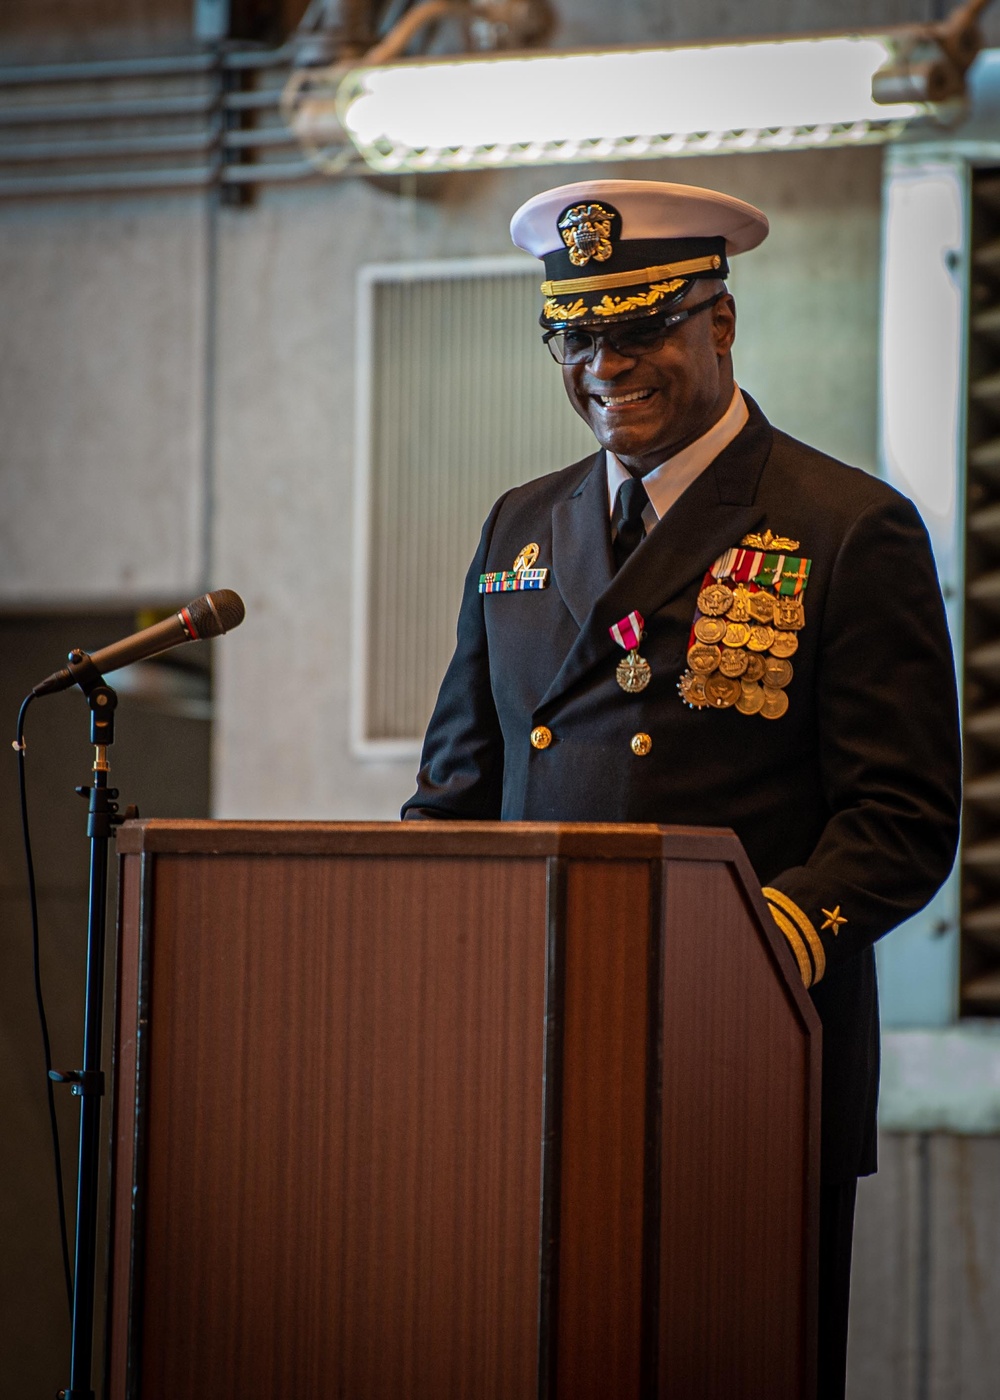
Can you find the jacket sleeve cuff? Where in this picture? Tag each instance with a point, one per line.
(800, 934)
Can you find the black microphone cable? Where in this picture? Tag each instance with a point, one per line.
(40, 1000)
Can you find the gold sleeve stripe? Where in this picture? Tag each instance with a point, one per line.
(630, 279)
(794, 940)
(805, 925)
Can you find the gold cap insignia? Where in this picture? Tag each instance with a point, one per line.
(586, 231)
(526, 558)
(768, 541)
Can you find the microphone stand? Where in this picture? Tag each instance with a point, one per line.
(88, 1083)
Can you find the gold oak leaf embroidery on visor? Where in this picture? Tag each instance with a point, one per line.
(612, 306)
(555, 312)
(617, 306)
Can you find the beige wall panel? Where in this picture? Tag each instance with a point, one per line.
(285, 415)
(284, 494)
(651, 21)
(32, 31)
(101, 399)
(807, 338)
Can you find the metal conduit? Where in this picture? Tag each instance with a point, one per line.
(117, 147)
(107, 69)
(231, 129)
(108, 182)
(281, 172)
(130, 109)
(124, 68)
(252, 101)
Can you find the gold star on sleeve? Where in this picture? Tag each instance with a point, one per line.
(834, 919)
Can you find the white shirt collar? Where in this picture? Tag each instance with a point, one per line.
(671, 478)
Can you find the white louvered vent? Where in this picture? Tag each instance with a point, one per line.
(458, 400)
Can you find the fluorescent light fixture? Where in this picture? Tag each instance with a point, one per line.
(473, 113)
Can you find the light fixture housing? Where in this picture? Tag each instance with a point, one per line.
(526, 109)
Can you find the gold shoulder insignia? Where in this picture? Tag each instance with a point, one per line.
(769, 542)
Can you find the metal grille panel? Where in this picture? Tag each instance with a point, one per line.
(980, 967)
(459, 401)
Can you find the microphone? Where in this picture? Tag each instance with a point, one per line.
(208, 616)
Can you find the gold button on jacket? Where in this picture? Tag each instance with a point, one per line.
(541, 737)
(641, 744)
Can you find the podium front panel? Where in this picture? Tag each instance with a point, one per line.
(440, 1111)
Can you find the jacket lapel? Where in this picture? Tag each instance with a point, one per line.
(581, 543)
(714, 513)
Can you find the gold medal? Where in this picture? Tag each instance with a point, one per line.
(775, 703)
(740, 611)
(715, 600)
(760, 638)
(777, 672)
(692, 690)
(789, 613)
(755, 668)
(703, 659)
(737, 635)
(710, 630)
(734, 662)
(762, 607)
(722, 691)
(633, 673)
(784, 644)
(526, 558)
(751, 699)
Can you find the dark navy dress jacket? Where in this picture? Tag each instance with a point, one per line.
(850, 800)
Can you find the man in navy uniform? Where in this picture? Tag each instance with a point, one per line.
(709, 623)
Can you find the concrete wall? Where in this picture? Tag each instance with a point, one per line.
(103, 306)
(926, 1288)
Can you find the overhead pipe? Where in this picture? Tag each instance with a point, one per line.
(125, 109)
(121, 146)
(117, 68)
(109, 182)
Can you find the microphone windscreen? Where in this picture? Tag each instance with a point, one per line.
(216, 612)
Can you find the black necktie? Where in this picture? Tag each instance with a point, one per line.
(630, 502)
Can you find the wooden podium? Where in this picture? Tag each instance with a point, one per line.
(443, 1111)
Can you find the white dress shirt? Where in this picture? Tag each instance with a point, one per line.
(665, 483)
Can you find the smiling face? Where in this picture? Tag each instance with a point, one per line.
(646, 409)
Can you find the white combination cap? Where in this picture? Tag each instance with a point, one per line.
(619, 249)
